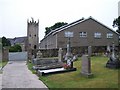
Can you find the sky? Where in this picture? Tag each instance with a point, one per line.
(14, 14)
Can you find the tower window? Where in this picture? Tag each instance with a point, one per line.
(35, 35)
(35, 46)
(30, 35)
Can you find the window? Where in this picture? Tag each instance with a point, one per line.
(29, 44)
(83, 34)
(97, 35)
(68, 34)
(109, 35)
(35, 46)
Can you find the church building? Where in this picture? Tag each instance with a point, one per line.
(82, 33)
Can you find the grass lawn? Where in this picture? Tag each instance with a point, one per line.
(2, 63)
(103, 77)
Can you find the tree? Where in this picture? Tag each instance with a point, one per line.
(5, 42)
(116, 23)
(56, 25)
(15, 48)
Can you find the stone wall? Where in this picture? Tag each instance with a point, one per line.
(96, 50)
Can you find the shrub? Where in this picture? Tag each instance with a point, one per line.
(15, 48)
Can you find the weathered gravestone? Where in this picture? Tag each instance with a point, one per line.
(113, 61)
(60, 55)
(89, 50)
(39, 54)
(86, 66)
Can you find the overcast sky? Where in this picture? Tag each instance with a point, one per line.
(14, 13)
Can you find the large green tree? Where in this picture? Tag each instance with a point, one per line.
(116, 23)
(56, 25)
(5, 42)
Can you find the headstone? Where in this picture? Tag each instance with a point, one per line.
(39, 54)
(108, 50)
(60, 54)
(113, 61)
(86, 66)
(69, 56)
(113, 56)
(89, 50)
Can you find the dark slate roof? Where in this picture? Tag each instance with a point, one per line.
(73, 24)
(17, 40)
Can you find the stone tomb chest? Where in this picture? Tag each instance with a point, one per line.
(46, 63)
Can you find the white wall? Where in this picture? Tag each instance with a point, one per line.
(18, 56)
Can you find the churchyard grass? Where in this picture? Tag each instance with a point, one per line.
(3, 63)
(0, 63)
(30, 65)
(103, 77)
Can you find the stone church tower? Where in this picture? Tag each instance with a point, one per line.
(32, 37)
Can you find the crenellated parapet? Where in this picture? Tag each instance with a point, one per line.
(32, 22)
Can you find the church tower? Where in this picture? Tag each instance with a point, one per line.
(32, 37)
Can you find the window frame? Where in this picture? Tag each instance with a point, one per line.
(83, 34)
(97, 35)
(109, 35)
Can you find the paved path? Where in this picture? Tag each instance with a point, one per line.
(17, 75)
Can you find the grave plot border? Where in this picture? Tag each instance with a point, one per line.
(56, 72)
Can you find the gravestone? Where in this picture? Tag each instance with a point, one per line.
(89, 50)
(39, 54)
(60, 55)
(108, 51)
(113, 61)
(86, 66)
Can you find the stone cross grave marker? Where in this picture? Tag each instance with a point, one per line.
(86, 66)
(113, 61)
